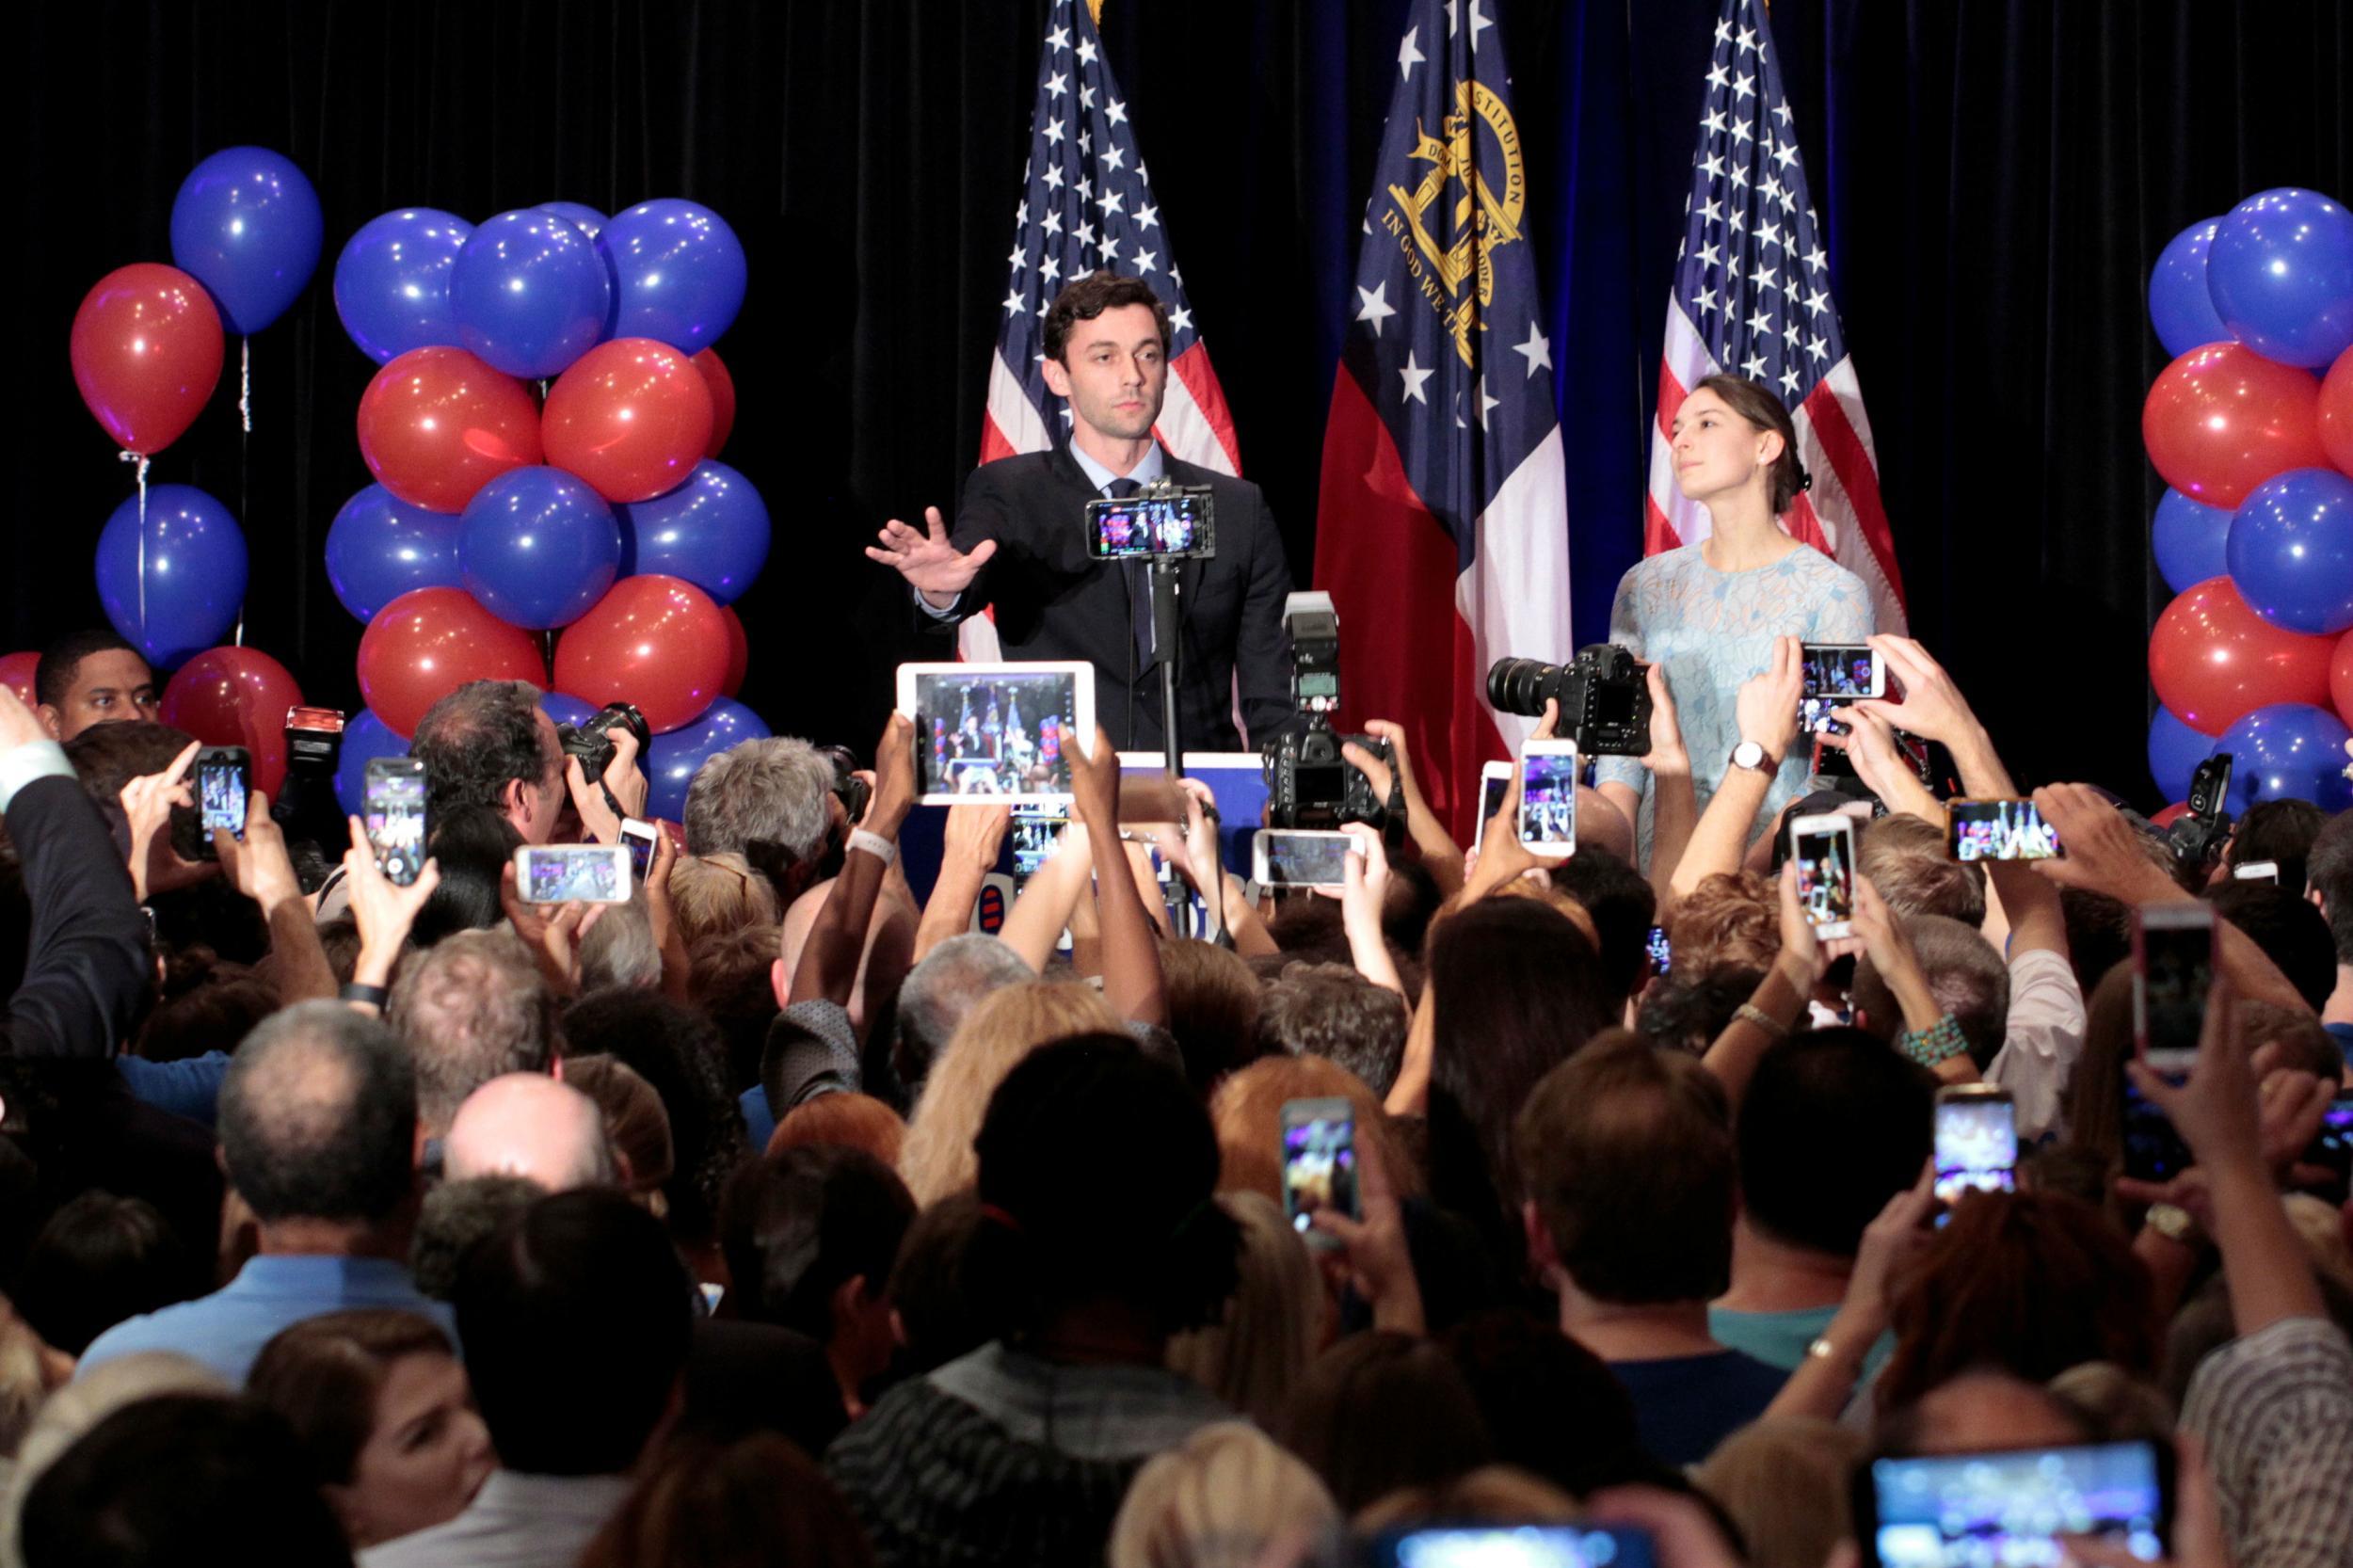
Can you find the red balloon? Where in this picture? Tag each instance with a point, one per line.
(430, 642)
(2340, 675)
(237, 697)
(722, 387)
(2336, 412)
(16, 673)
(437, 425)
(2222, 419)
(2212, 659)
(632, 417)
(656, 641)
(739, 652)
(146, 352)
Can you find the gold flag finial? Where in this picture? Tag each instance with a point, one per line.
(1094, 11)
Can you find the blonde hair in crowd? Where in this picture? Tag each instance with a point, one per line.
(1219, 1502)
(991, 1041)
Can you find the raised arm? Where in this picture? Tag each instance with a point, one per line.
(1131, 957)
(85, 966)
(837, 940)
(1766, 709)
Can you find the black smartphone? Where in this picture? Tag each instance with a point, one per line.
(1037, 832)
(393, 814)
(1662, 954)
(2154, 1151)
(1962, 1510)
(1147, 525)
(1513, 1546)
(1976, 1141)
(1318, 1164)
(224, 786)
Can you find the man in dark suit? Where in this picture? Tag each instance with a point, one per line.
(1020, 542)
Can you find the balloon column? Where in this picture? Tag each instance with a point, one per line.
(2251, 425)
(147, 350)
(544, 435)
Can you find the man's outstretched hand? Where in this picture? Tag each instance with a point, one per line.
(931, 565)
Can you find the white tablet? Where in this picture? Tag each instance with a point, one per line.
(997, 732)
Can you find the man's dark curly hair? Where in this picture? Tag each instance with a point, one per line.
(477, 739)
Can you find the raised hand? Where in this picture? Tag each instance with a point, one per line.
(147, 802)
(931, 565)
(1767, 705)
(1932, 706)
(1667, 752)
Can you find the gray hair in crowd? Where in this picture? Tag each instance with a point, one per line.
(765, 792)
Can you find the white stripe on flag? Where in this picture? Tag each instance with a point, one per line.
(1689, 361)
(1515, 595)
(1187, 432)
(1016, 418)
(1847, 545)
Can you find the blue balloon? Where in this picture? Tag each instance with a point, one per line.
(380, 546)
(2281, 273)
(2174, 752)
(677, 274)
(391, 281)
(2288, 751)
(712, 531)
(365, 738)
(591, 221)
(566, 709)
(2180, 305)
(673, 759)
(247, 225)
(195, 570)
(2291, 549)
(529, 293)
(537, 548)
(2189, 540)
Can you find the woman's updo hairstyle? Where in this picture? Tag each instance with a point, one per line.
(1755, 403)
(1099, 1174)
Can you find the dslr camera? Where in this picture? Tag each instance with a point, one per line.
(2199, 834)
(1604, 701)
(1308, 783)
(591, 740)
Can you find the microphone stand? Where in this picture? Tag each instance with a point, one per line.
(1165, 640)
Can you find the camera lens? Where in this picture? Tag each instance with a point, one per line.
(1519, 685)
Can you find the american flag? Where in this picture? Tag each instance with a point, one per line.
(1442, 531)
(1751, 296)
(1087, 205)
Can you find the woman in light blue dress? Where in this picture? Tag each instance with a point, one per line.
(1707, 612)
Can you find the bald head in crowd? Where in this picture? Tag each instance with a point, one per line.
(528, 1125)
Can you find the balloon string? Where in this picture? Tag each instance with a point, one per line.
(140, 458)
(244, 383)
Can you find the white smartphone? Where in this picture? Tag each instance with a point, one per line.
(2173, 971)
(1000, 732)
(640, 838)
(1847, 671)
(1299, 857)
(1547, 824)
(572, 874)
(1823, 847)
(1494, 779)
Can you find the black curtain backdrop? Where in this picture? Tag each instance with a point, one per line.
(1997, 178)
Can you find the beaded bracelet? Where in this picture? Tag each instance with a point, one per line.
(1940, 1042)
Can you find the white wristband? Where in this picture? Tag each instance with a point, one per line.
(874, 844)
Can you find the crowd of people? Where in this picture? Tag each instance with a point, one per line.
(778, 1215)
